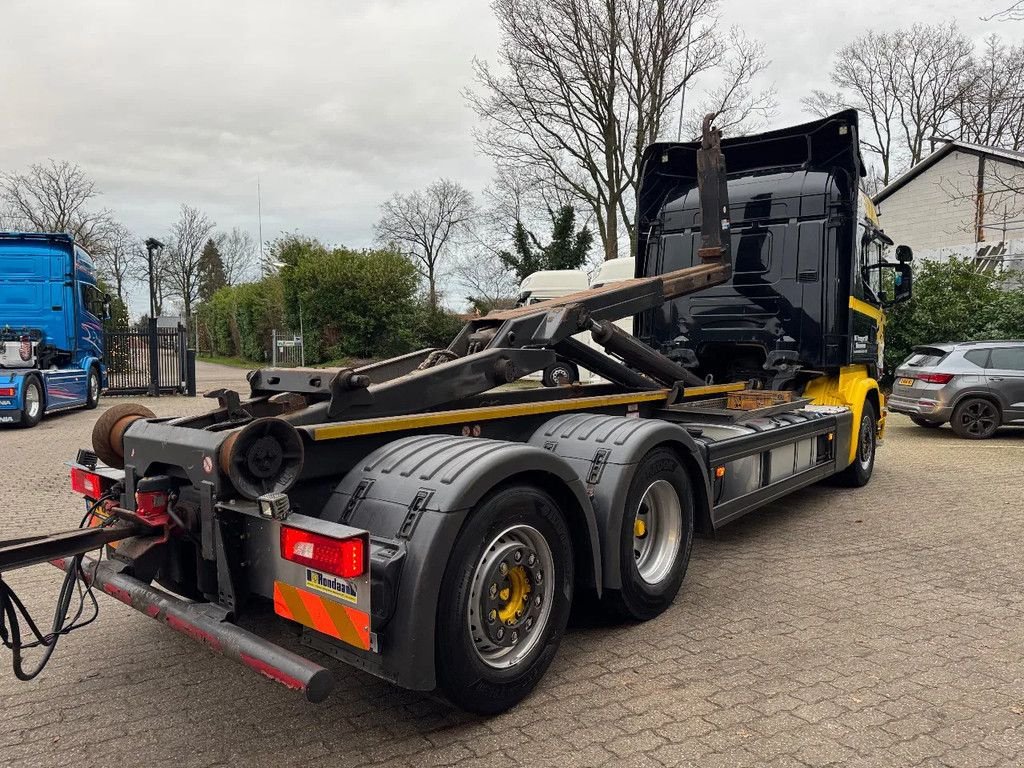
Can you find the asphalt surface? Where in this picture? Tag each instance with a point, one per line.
(882, 626)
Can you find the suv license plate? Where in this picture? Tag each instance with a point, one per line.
(905, 382)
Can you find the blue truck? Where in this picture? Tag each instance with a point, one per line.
(51, 327)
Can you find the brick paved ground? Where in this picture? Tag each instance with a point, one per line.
(881, 627)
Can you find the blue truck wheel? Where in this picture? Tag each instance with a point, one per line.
(92, 388)
(31, 402)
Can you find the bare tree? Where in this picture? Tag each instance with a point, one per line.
(935, 72)
(907, 83)
(489, 283)
(738, 106)
(238, 254)
(120, 259)
(991, 112)
(55, 196)
(583, 86)
(426, 225)
(1013, 12)
(184, 255)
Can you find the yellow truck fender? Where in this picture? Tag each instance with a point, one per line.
(852, 387)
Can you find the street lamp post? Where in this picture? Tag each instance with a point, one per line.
(152, 246)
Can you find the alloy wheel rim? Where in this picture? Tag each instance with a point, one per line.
(509, 605)
(657, 531)
(979, 418)
(94, 386)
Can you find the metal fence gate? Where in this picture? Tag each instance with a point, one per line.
(149, 361)
(289, 351)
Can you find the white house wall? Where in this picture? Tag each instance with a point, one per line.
(934, 213)
(935, 210)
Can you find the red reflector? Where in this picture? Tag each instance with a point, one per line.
(86, 483)
(342, 557)
(935, 378)
(150, 504)
(6, 391)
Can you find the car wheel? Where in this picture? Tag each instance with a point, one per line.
(560, 373)
(975, 418)
(859, 472)
(921, 421)
(655, 539)
(32, 402)
(92, 397)
(505, 600)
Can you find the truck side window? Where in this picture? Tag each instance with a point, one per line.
(92, 300)
(868, 283)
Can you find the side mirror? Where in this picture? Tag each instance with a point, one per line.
(106, 306)
(903, 282)
(904, 254)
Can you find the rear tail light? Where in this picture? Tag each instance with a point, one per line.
(6, 391)
(86, 483)
(341, 557)
(935, 378)
(151, 504)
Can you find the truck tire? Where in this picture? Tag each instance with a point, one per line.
(505, 600)
(92, 391)
(32, 402)
(562, 372)
(975, 418)
(921, 421)
(859, 472)
(656, 537)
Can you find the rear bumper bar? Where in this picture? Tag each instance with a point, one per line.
(192, 619)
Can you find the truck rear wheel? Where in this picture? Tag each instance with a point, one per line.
(92, 394)
(32, 402)
(505, 600)
(656, 537)
(859, 472)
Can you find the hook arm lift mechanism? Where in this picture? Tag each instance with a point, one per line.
(489, 351)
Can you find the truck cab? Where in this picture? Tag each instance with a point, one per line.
(806, 295)
(51, 327)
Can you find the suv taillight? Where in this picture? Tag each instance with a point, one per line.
(935, 378)
(341, 557)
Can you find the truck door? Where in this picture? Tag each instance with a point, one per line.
(1005, 375)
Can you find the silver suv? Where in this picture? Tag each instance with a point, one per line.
(975, 385)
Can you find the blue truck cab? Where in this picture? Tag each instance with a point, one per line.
(51, 327)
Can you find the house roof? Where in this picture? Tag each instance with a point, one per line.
(1005, 155)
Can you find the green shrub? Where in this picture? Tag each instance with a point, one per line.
(952, 301)
(435, 328)
(355, 304)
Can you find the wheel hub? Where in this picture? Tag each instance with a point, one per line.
(508, 606)
(657, 531)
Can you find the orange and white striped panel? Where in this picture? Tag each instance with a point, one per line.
(326, 616)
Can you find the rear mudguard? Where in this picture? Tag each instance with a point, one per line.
(418, 492)
(604, 451)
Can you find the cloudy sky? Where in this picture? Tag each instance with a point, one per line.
(331, 104)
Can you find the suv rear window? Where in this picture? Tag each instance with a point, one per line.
(925, 359)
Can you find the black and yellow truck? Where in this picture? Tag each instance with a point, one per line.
(420, 521)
